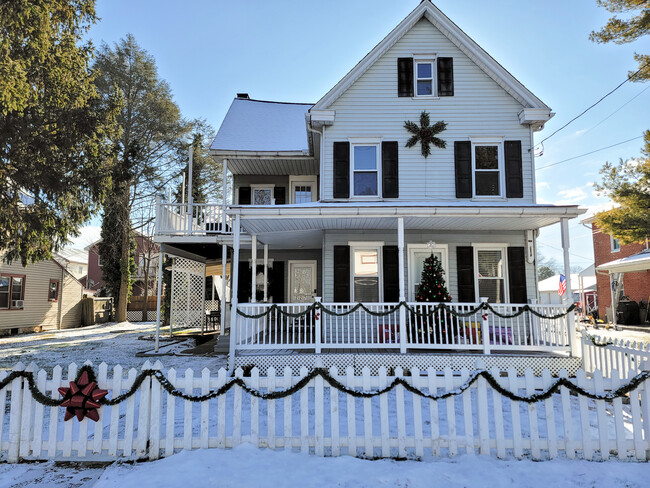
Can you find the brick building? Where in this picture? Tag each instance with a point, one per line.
(636, 285)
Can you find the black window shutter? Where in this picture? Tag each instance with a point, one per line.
(244, 283)
(244, 195)
(279, 193)
(276, 282)
(341, 273)
(517, 275)
(341, 169)
(514, 174)
(445, 77)
(465, 270)
(463, 163)
(405, 77)
(389, 169)
(391, 273)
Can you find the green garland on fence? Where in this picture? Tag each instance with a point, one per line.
(432, 309)
(40, 397)
(608, 342)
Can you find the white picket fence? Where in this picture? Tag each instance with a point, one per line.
(322, 420)
(624, 356)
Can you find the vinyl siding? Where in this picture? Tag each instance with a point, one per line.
(452, 239)
(479, 107)
(38, 310)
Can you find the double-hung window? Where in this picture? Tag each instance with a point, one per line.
(53, 291)
(424, 72)
(487, 164)
(365, 170)
(12, 292)
(615, 246)
(365, 273)
(491, 273)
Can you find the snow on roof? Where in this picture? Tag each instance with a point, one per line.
(636, 262)
(257, 125)
(74, 255)
(551, 284)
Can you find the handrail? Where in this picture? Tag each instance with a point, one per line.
(198, 219)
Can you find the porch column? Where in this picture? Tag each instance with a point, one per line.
(234, 272)
(158, 299)
(224, 259)
(402, 293)
(568, 296)
(224, 191)
(253, 267)
(266, 271)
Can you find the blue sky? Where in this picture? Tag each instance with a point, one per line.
(296, 51)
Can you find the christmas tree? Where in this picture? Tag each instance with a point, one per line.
(432, 286)
(432, 289)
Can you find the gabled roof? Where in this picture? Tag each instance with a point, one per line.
(456, 35)
(256, 125)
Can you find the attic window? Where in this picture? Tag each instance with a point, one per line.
(423, 77)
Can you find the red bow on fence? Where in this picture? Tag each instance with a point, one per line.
(82, 398)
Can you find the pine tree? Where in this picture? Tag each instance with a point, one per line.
(432, 285)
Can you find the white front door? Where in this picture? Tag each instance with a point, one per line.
(417, 254)
(302, 281)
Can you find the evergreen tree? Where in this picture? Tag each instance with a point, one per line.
(55, 131)
(432, 285)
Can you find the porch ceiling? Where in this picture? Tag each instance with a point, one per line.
(244, 165)
(258, 220)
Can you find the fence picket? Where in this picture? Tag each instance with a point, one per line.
(401, 416)
(67, 426)
(482, 409)
(617, 404)
(418, 382)
(26, 418)
(514, 412)
(367, 414)
(270, 408)
(467, 414)
(319, 416)
(451, 414)
(334, 414)
(551, 434)
(255, 408)
(15, 414)
(383, 414)
(205, 409)
(288, 409)
(498, 417)
(129, 420)
(3, 400)
(587, 450)
(115, 412)
(304, 415)
(155, 412)
(221, 410)
(433, 411)
(603, 435)
(170, 421)
(187, 410)
(351, 410)
(532, 415)
(37, 443)
(639, 447)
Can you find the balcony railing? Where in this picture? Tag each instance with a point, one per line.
(417, 326)
(198, 219)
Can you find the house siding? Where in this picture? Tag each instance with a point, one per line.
(479, 107)
(451, 239)
(38, 310)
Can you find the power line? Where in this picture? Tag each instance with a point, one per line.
(596, 103)
(587, 154)
(618, 109)
(560, 249)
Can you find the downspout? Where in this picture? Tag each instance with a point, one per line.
(58, 325)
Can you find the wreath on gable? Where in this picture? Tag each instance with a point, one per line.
(425, 133)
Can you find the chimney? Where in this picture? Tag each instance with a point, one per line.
(243, 96)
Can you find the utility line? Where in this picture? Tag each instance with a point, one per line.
(587, 154)
(596, 103)
(560, 249)
(618, 109)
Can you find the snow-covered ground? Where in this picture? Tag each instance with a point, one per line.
(625, 334)
(247, 466)
(112, 343)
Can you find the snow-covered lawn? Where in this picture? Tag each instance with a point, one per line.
(621, 335)
(112, 343)
(247, 466)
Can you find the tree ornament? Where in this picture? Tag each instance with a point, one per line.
(425, 133)
(82, 398)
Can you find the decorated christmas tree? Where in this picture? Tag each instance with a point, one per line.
(432, 286)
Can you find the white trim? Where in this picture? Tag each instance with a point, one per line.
(425, 59)
(491, 141)
(368, 246)
(411, 250)
(366, 243)
(489, 246)
(304, 180)
(264, 186)
(467, 45)
(290, 263)
(366, 142)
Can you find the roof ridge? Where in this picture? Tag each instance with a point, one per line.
(272, 101)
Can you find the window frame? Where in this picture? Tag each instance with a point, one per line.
(425, 59)
(295, 181)
(367, 246)
(58, 285)
(489, 141)
(10, 291)
(503, 248)
(263, 186)
(376, 142)
(614, 244)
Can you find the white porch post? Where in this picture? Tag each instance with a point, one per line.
(568, 296)
(253, 268)
(224, 259)
(402, 292)
(224, 184)
(159, 298)
(233, 290)
(266, 272)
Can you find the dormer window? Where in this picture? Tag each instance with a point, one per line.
(424, 77)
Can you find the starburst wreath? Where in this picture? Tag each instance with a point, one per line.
(425, 133)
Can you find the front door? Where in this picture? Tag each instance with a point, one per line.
(417, 254)
(302, 281)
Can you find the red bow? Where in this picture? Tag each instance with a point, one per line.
(82, 398)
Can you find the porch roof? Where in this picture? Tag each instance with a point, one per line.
(636, 262)
(417, 216)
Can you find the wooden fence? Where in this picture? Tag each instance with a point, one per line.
(320, 419)
(613, 354)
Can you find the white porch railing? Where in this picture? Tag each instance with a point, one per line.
(422, 327)
(198, 219)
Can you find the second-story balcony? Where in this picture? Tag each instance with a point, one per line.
(197, 219)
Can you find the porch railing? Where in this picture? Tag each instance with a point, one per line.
(198, 219)
(415, 326)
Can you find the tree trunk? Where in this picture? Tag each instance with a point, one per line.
(123, 298)
(146, 262)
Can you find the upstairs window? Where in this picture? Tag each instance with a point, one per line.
(614, 244)
(53, 291)
(424, 77)
(488, 170)
(365, 170)
(262, 194)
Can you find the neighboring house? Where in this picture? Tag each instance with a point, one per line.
(75, 261)
(329, 202)
(146, 252)
(632, 284)
(583, 286)
(42, 295)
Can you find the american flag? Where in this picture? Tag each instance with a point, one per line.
(562, 288)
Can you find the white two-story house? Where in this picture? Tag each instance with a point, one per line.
(329, 204)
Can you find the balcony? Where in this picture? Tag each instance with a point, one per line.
(198, 219)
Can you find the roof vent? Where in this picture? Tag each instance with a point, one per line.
(244, 96)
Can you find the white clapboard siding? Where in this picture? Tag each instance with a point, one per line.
(325, 422)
